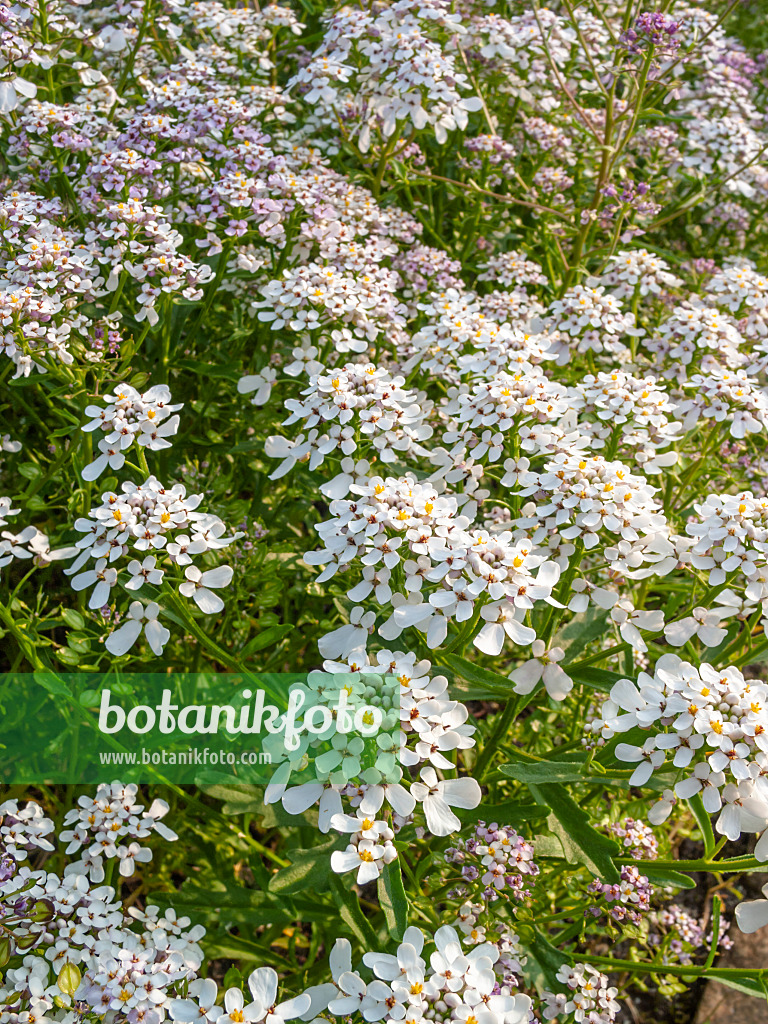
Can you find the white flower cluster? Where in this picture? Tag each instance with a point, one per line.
(499, 405)
(744, 293)
(397, 73)
(589, 999)
(637, 272)
(462, 335)
(468, 984)
(587, 319)
(262, 1008)
(696, 331)
(314, 296)
(130, 417)
(640, 407)
(108, 826)
(581, 498)
(430, 727)
(713, 725)
(49, 272)
(446, 562)
(27, 543)
(511, 269)
(731, 537)
(369, 407)
(22, 828)
(151, 521)
(726, 395)
(79, 949)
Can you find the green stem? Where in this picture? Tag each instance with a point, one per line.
(499, 731)
(717, 905)
(633, 967)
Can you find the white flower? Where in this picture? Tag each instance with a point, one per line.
(701, 623)
(104, 579)
(364, 857)
(351, 640)
(236, 1011)
(153, 435)
(751, 915)
(263, 985)
(354, 996)
(122, 639)
(501, 622)
(200, 1008)
(662, 809)
(111, 455)
(143, 572)
(199, 584)
(630, 621)
(437, 798)
(648, 758)
(261, 382)
(543, 665)
(129, 856)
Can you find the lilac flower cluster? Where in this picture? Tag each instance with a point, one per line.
(682, 936)
(637, 839)
(627, 900)
(499, 859)
(652, 29)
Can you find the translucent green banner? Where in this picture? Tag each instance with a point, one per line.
(199, 728)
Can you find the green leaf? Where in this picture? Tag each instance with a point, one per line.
(266, 638)
(237, 799)
(544, 961)
(230, 902)
(248, 799)
(665, 876)
(545, 771)
(51, 682)
(580, 631)
(749, 986)
(393, 900)
(68, 656)
(233, 979)
(230, 371)
(509, 812)
(309, 869)
(485, 681)
(555, 770)
(594, 678)
(247, 446)
(704, 821)
(234, 947)
(548, 846)
(581, 843)
(352, 915)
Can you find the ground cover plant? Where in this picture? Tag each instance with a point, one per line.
(422, 341)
